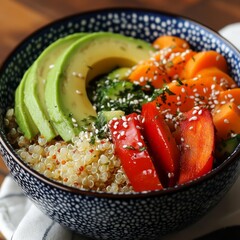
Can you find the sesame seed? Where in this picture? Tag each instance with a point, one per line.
(200, 112)
(194, 112)
(78, 92)
(213, 86)
(192, 118)
(226, 120)
(191, 128)
(183, 90)
(51, 66)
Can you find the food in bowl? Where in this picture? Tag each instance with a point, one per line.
(107, 112)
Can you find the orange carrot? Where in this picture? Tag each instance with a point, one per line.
(203, 60)
(165, 53)
(170, 41)
(227, 120)
(230, 95)
(219, 76)
(149, 72)
(175, 65)
(184, 95)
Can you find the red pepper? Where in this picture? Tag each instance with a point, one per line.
(197, 145)
(162, 145)
(133, 153)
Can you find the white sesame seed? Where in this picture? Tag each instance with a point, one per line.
(213, 86)
(194, 112)
(192, 118)
(78, 92)
(226, 120)
(51, 66)
(183, 90)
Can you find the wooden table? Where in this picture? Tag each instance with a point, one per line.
(20, 18)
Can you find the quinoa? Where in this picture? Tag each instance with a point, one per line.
(79, 163)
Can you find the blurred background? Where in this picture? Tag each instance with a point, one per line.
(19, 18)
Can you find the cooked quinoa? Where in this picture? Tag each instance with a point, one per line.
(79, 163)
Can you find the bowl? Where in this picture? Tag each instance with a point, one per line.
(118, 216)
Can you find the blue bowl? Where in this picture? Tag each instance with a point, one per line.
(110, 216)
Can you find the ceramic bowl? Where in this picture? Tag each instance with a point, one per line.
(108, 216)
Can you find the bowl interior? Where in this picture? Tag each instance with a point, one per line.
(143, 24)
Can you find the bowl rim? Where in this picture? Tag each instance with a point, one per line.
(235, 156)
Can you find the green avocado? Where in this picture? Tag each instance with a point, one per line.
(34, 96)
(23, 117)
(91, 56)
(119, 74)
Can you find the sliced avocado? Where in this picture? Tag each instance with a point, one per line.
(23, 117)
(119, 73)
(34, 96)
(109, 115)
(91, 56)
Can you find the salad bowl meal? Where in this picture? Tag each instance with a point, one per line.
(122, 123)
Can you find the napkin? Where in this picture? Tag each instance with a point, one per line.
(21, 220)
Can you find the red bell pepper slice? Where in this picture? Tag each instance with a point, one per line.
(162, 145)
(132, 151)
(197, 145)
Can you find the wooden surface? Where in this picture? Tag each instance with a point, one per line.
(20, 18)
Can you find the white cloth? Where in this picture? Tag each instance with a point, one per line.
(21, 220)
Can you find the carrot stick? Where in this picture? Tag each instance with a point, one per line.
(170, 41)
(227, 120)
(149, 72)
(219, 76)
(203, 60)
(175, 65)
(230, 95)
(184, 95)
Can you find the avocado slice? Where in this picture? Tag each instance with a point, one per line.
(23, 117)
(34, 96)
(119, 73)
(91, 56)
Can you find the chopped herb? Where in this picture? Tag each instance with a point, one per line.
(168, 91)
(179, 81)
(92, 140)
(129, 147)
(141, 149)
